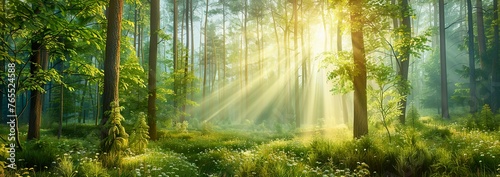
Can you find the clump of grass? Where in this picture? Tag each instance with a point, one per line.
(65, 167)
(91, 167)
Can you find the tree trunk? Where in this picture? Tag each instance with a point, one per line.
(495, 103)
(112, 61)
(176, 55)
(405, 59)
(205, 60)
(186, 64)
(481, 38)
(442, 47)
(35, 113)
(278, 61)
(296, 67)
(472, 62)
(359, 82)
(153, 55)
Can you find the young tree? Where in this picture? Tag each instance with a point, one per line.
(111, 63)
(153, 54)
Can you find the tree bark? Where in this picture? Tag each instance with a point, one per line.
(112, 61)
(472, 61)
(481, 38)
(35, 113)
(153, 55)
(296, 67)
(495, 103)
(359, 80)
(405, 59)
(442, 46)
(205, 60)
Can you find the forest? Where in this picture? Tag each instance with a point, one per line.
(249, 88)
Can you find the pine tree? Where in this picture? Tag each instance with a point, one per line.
(140, 135)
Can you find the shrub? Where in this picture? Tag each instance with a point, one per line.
(116, 140)
(413, 114)
(484, 120)
(140, 135)
(181, 127)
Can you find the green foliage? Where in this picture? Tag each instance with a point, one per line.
(39, 154)
(140, 135)
(91, 167)
(385, 101)
(158, 163)
(413, 114)
(3, 155)
(116, 140)
(484, 120)
(341, 70)
(181, 127)
(77, 130)
(207, 128)
(65, 167)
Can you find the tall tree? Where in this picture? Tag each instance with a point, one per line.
(495, 103)
(481, 37)
(153, 54)
(442, 55)
(111, 62)
(405, 58)
(35, 114)
(296, 67)
(472, 61)
(359, 80)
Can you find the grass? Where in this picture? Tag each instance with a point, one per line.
(428, 147)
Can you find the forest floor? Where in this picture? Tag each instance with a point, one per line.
(427, 147)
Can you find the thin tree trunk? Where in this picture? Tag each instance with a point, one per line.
(296, 67)
(442, 44)
(481, 38)
(186, 64)
(278, 61)
(472, 62)
(495, 103)
(205, 60)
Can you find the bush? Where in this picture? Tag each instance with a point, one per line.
(181, 127)
(484, 120)
(77, 130)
